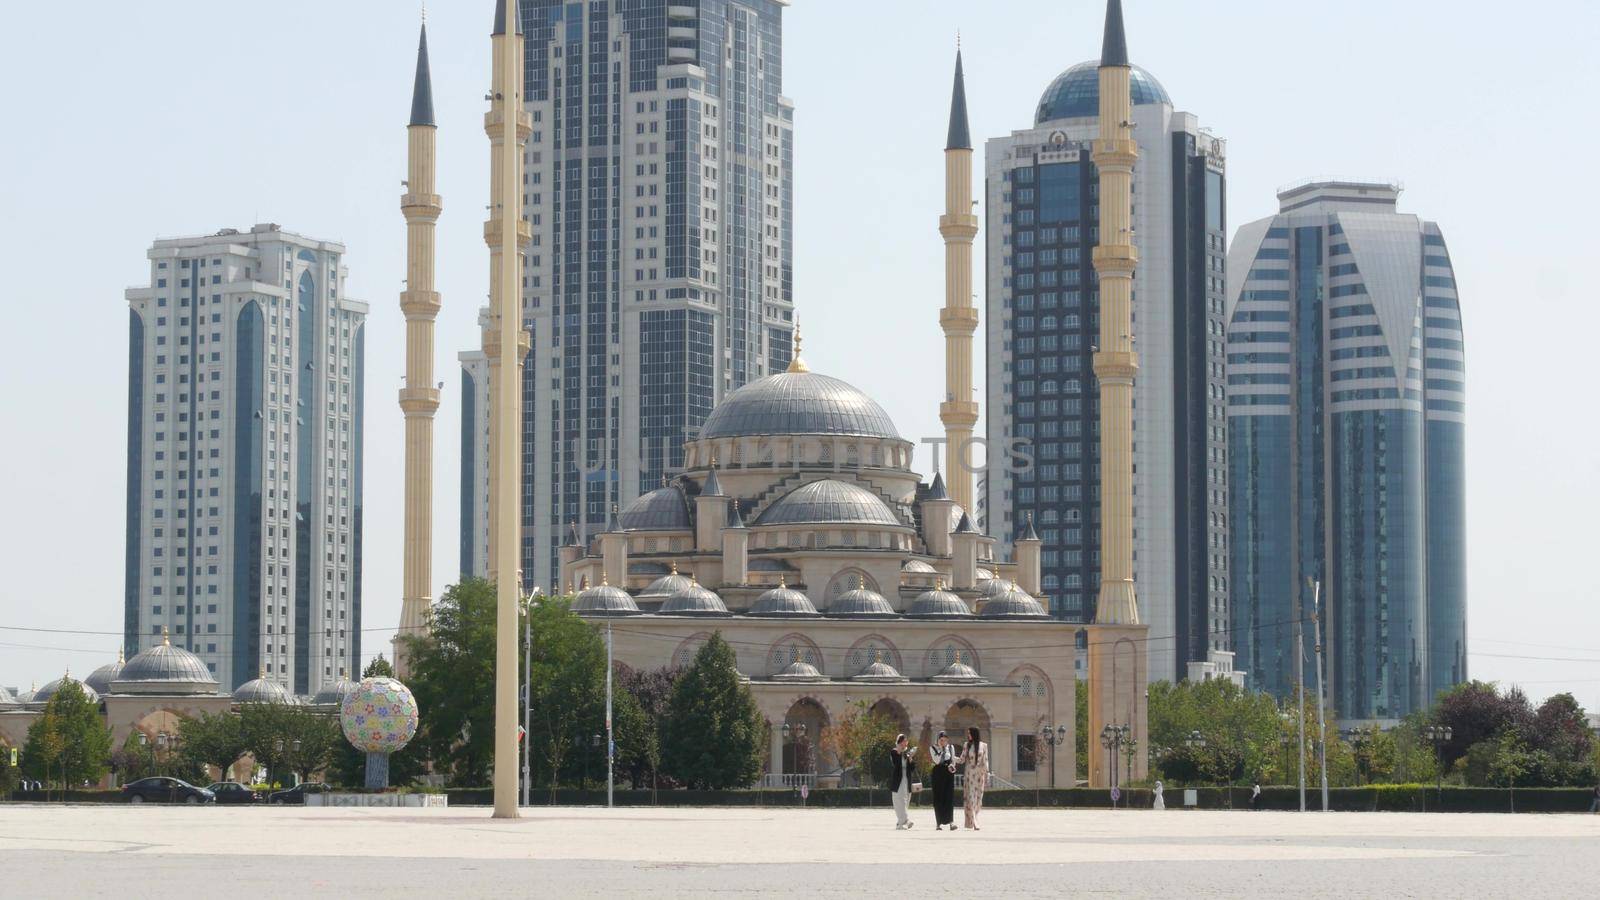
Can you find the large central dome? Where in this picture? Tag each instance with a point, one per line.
(1075, 94)
(798, 403)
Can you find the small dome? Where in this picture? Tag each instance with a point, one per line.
(27, 695)
(939, 604)
(958, 672)
(1014, 604)
(6, 697)
(43, 695)
(100, 679)
(694, 601)
(262, 690)
(663, 509)
(798, 403)
(996, 587)
(333, 693)
(879, 672)
(918, 567)
(165, 666)
(604, 600)
(983, 575)
(861, 603)
(799, 670)
(667, 585)
(783, 601)
(1075, 94)
(829, 502)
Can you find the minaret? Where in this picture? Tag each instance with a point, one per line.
(959, 318)
(419, 399)
(1118, 656)
(506, 233)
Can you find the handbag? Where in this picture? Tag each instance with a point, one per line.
(916, 786)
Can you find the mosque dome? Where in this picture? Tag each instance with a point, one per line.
(663, 509)
(799, 670)
(42, 695)
(983, 575)
(783, 602)
(829, 502)
(792, 403)
(165, 668)
(333, 693)
(7, 698)
(938, 604)
(861, 603)
(879, 672)
(1013, 604)
(100, 679)
(918, 567)
(694, 601)
(666, 586)
(1075, 94)
(958, 672)
(605, 600)
(996, 587)
(262, 690)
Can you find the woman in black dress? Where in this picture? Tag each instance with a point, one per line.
(943, 775)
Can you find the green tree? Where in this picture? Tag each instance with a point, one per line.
(378, 668)
(1213, 732)
(10, 774)
(1080, 716)
(68, 744)
(567, 708)
(212, 740)
(640, 745)
(452, 678)
(715, 734)
(287, 738)
(861, 741)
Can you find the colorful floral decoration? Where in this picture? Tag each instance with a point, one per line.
(379, 715)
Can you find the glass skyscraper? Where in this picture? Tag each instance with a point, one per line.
(1042, 211)
(660, 196)
(1346, 409)
(245, 380)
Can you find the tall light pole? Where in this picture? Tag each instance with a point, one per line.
(1322, 724)
(527, 703)
(1300, 698)
(611, 738)
(1438, 736)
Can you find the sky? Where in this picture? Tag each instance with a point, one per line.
(186, 116)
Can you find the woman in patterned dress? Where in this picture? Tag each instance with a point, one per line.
(975, 756)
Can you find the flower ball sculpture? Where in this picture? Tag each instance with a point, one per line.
(379, 717)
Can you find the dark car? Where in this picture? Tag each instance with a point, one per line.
(161, 789)
(297, 794)
(233, 792)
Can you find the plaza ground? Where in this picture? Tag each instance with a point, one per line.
(120, 851)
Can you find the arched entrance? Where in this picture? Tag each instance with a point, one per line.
(964, 714)
(893, 711)
(805, 720)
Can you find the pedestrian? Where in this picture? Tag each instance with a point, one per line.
(943, 777)
(1595, 806)
(901, 766)
(1255, 795)
(975, 756)
(1160, 801)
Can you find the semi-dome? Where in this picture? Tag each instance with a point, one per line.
(333, 693)
(799, 670)
(663, 509)
(604, 600)
(861, 603)
(918, 567)
(100, 679)
(829, 502)
(694, 601)
(1013, 604)
(958, 672)
(939, 604)
(261, 689)
(666, 585)
(783, 602)
(879, 671)
(165, 668)
(1075, 94)
(798, 403)
(42, 695)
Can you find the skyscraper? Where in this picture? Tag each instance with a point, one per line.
(244, 457)
(1042, 325)
(659, 196)
(1346, 411)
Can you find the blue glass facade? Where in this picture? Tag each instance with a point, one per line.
(306, 315)
(1447, 557)
(135, 495)
(469, 468)
(1262, 564)
(249, 412)
(358, 377)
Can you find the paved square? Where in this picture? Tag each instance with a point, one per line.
(119, 851)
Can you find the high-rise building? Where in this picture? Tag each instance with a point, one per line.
(244, 457)
(1346, 411)
(659, 197)
(1042, 326)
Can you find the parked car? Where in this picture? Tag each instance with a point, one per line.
(296, 796)
(161, 789)
(233, 792)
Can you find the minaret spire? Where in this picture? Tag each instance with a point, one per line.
(1114, 48)
(419, 399)
(959, 318)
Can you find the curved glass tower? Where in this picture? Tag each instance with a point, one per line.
(1345, 417)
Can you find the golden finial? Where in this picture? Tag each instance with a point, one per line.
(120, 659)
(674, 567)
(166, 639)
(605, 580)
(782, 582)
(796, 364)
(938, 583)
(861, 582)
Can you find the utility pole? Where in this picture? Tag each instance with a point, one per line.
(1300, 696)
(1322, 725)
(611, 740)
(527, 705)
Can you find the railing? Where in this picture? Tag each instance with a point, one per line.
(995, 781)
(791, 780)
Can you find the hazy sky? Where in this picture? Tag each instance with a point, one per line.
(186, 116)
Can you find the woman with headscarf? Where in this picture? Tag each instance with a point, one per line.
(943, 778)
(975, 756)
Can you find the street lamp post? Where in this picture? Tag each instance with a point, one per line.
(1114, 738)
(1438, 735)
(1054, 738)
